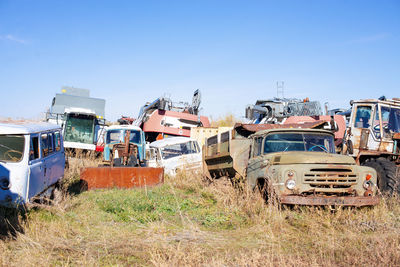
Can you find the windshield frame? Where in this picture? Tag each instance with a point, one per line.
(303, 143)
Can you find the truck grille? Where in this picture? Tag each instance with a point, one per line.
(330, 178)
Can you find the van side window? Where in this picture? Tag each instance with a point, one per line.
(34, 149)
(257, 146)
(57, 141)
(44, 144)
(50, 142)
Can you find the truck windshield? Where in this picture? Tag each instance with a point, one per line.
(79, 128)
(178, 150)
(116, 136)
(280, 142)
(12, 147)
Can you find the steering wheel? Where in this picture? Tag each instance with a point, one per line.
(384, 125)
(9, 155)
(323, 148)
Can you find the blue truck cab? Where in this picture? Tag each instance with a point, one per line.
(32, 161)
(115, 134)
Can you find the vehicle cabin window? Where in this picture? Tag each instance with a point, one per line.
(50, 139)
(390, 121)
(113, 136)
(57, 141)
(134, 137)
(34, 149)
(12, 147)
(257, 146)
(281, 142)
(44, 145)
(363, 116)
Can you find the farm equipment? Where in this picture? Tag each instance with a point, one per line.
(162, 118)
(80, 116)
(373, 139)
(124, 166)
(295, 166)
(276, 110)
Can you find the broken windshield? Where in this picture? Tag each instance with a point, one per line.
(79, 128)
(12, 148)
(280, 142)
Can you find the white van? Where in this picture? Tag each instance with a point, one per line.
(32, 161)
(175, 153)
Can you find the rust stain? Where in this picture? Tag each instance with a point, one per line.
(123, 177)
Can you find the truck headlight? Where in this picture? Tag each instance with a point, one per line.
(290, 184)
(4, 183)
(368, 184)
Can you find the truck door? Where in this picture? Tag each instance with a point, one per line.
(36, 167)
(360, 129)
(255, 160)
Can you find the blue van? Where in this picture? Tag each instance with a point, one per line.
(32, 161)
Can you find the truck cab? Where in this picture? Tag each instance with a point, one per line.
(373, 139)
(115, 134)
(301, 167)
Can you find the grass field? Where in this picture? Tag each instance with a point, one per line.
(190, 221)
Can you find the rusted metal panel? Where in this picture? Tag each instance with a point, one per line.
(259, 127)
(327, 200)
(122, 177)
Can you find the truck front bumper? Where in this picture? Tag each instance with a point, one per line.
(329, 201)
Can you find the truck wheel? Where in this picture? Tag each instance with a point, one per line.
(386, 175)
(267, 192)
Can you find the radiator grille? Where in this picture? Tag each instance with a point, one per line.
(330, 178)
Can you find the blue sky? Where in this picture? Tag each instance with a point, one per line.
(130, 52)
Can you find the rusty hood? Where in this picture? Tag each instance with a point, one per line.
(298, 157)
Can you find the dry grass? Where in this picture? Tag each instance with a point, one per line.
(189, 221)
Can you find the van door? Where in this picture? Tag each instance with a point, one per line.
(58, 159)
(45, 153)
(36, 167)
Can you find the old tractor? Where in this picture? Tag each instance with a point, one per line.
(124, 163)
(372, 138)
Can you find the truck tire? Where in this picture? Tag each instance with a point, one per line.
(267, 192)
(386, 175)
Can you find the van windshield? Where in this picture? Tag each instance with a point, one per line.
(280, 142)
(12, 147)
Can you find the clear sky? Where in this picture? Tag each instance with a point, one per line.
(130, 52)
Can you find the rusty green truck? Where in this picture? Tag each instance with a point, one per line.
(298, 165)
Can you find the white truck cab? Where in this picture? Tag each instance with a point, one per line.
(175, 153)
(32, 161)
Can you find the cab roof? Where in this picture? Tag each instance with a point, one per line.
(292, 130)
(170, 141)
(124, 126)
(391, 102)
(24, 127)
